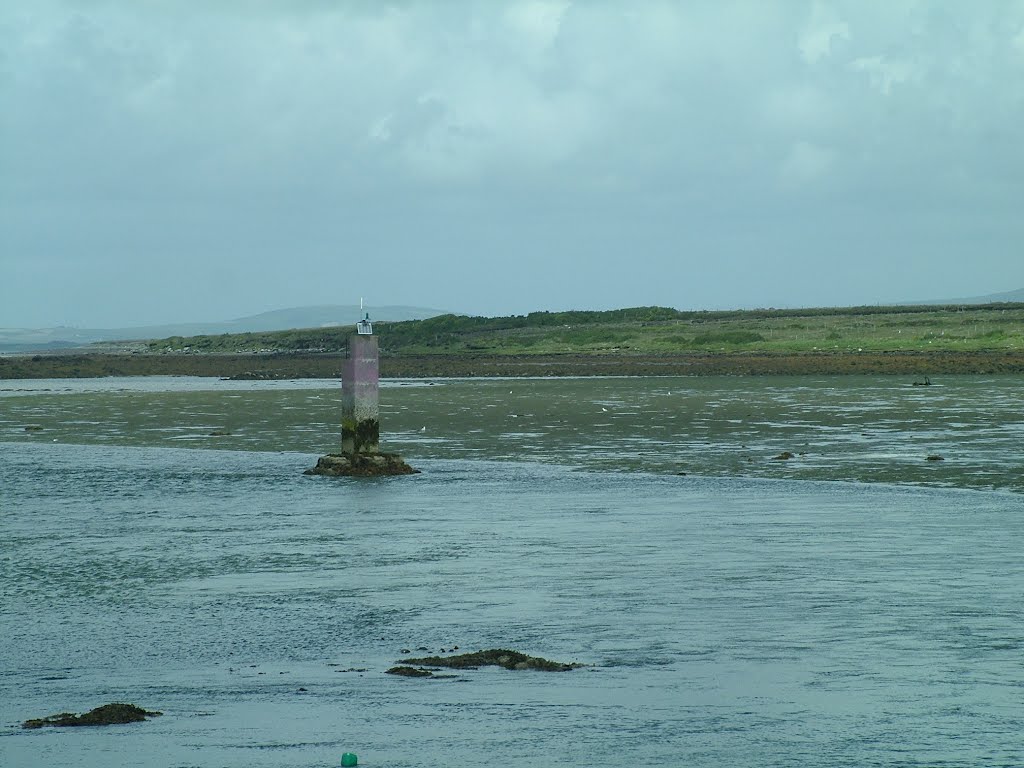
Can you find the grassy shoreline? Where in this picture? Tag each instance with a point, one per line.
(639, 341)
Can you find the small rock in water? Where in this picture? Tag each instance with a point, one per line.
(406, 671)
(934, 457)
(108, 714)
(784, 456)
(495, 657)
(361, 465)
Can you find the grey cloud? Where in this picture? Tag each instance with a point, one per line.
(703, 144)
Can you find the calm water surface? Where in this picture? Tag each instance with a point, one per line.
(744, 621)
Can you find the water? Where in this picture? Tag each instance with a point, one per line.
(726, 621)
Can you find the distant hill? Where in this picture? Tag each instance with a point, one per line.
(992, 298)
(13, 340)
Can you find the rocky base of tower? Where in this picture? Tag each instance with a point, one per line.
(361, 465)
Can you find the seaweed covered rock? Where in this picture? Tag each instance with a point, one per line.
(108, 714)
(495, 657)
(361, 465)
(409, 672)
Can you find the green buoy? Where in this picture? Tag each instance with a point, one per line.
(348, 760)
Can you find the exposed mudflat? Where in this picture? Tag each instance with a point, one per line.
(868, 428)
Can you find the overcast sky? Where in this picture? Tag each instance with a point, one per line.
(173, 161)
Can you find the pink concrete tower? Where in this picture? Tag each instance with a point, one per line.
(360, 415)
(360, 381)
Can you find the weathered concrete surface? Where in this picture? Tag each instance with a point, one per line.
(360, 410)
(361, 465)
(360, 419)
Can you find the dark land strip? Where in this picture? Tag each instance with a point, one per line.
(328, 365)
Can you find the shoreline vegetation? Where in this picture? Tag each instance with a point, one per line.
(641, 341)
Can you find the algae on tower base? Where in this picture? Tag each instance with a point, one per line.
(361, 465)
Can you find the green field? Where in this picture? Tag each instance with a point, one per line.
(643, 341)
(656, 330)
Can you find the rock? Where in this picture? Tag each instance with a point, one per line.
(934, 457)
(784, 456)
(219, 433)
(361, 465)
(33, 428)
(409, 672)
(495, 657)
(253, 376)
(108, 714)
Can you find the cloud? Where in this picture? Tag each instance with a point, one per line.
(804, 163)
(228, 133)
(884, 73)
(458, 96)
(537, 22)
(821, 31)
